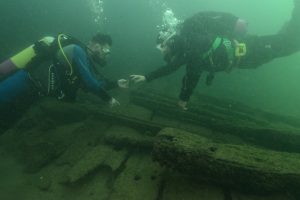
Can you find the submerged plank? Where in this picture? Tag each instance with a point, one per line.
(251, 125)
(242, 167)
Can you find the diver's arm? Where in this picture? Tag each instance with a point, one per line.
(189, 82)
(162, 71)
(188, 86)
(110, 84)
(91, 83)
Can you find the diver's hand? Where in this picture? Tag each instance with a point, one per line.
(113, 102)
(137, 78)
(123, 83)
(182, 104)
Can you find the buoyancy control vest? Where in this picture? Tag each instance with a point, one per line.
(234, 52)
(46, 71)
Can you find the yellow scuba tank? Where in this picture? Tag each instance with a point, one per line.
(24, 57)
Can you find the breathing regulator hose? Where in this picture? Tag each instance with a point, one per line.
(59, 38)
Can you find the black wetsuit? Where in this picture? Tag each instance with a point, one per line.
(186, 48)
(262, 49)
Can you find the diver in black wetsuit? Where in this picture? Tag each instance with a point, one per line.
(186, 46)
(213, 42)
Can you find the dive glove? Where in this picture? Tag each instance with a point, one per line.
(137, 78)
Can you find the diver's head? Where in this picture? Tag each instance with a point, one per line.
(99, 48)
(167, 30)
(163, 41)
(164, 49)
(241, 27)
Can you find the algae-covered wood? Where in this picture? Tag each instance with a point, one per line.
(242, 167)
(253, 126)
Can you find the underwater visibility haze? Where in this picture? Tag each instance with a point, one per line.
(239, 138)
(133, 27)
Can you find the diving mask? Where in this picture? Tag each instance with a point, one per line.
(106, 50)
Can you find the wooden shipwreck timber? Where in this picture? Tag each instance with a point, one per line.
(150, 149)
(241, 167)
(226, 117)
